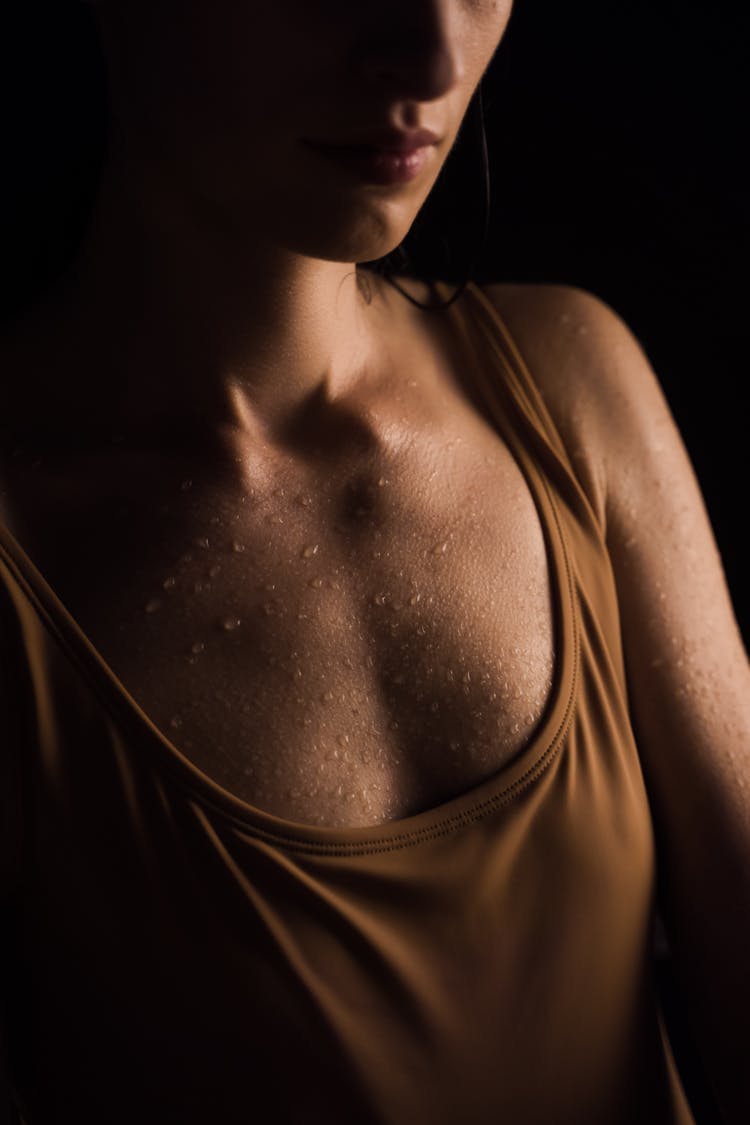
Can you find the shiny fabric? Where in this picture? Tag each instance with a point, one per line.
(178, 957)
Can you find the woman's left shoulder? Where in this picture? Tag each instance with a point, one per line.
(579, 349)
(591, 370)
(687, 669)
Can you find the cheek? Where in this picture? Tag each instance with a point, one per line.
(492, 18)
(212, 69)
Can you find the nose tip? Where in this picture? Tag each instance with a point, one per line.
(425, 81)
(422, 60)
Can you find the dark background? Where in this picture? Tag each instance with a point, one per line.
(618, 159)
(616, 135)
(618, 138)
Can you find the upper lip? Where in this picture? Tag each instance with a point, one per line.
(390, 140)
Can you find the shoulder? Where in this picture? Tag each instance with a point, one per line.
(573, 337)
(593, 373)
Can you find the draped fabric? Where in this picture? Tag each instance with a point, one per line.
(176, 956)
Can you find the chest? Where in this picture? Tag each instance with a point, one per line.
(340, 648)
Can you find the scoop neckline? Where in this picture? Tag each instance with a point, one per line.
(449, 816)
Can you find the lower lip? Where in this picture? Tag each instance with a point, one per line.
(378, 166)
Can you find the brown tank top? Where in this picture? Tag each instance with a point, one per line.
(177, 956)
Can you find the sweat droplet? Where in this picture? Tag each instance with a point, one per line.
(168, 583)
(237, 547)
(197, 647)
(202, 542)
(230, 623)
(308, 552)
(153, 605)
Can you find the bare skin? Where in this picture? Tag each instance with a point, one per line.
(688, 672)
(212, 330)
(217, 277)
(349, 633)
(237, 354)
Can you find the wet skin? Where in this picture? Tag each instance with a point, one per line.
(358, 630)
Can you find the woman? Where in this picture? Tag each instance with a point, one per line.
(362, 663)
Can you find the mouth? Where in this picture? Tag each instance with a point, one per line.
(367, 150)
(388, 140)
(377, 165)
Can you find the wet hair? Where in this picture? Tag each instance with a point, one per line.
(399, 261)
(62, 146)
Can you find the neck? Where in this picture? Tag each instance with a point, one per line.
(177, 312)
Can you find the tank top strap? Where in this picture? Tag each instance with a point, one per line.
(506, 389)
(16, 704)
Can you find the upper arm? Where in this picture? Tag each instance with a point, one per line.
(687, 670)
(11, 815)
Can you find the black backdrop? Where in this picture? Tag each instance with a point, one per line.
(616, 135)
(617, 139)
